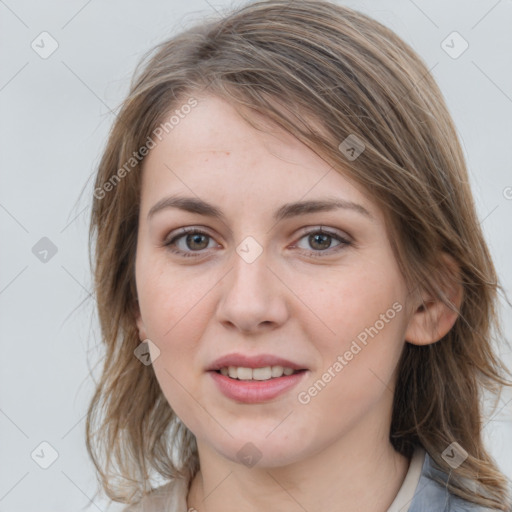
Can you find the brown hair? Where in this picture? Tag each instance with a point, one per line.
(322, 72)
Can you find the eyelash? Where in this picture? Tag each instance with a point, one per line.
(317, 254)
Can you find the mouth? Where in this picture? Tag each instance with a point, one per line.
(253, 379)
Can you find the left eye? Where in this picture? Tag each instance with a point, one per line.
(197, 240)
(322, 240)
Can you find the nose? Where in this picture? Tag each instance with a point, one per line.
(253, 298)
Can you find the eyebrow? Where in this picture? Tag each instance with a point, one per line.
(287, 211)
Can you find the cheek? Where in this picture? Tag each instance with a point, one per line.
(169, 298)
(361, 336)
(346, 302)
(172, 309)
(358, 371)
(175, 309)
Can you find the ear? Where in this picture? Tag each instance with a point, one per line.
(432, 318)
(139, 321)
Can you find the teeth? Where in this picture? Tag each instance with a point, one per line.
(266, 373)
(261, 373)
(244, 373)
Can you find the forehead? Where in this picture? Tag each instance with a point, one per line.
(215, 127)
(212, 150)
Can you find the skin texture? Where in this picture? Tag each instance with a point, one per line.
(332, 453)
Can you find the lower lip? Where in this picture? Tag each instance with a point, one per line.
(256, 391)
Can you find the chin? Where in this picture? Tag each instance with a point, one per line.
(261, 450)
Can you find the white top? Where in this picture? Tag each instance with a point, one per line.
(405, 495)
(172, 497)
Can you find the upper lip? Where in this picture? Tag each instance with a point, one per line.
(257, 361)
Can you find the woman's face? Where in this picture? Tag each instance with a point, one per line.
(261, 290)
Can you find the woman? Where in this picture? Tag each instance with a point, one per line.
(326, 343)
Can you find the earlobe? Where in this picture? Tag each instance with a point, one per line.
(432, 318)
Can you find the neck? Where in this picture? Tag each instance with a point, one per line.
(352, 475)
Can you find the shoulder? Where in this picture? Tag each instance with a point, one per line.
(171, 497)
(432, 493)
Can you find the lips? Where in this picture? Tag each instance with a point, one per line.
(254, 391)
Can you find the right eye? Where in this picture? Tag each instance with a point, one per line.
(189, 237)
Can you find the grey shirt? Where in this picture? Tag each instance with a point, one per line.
(431, 496)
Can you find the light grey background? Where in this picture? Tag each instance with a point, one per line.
(55, 116)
